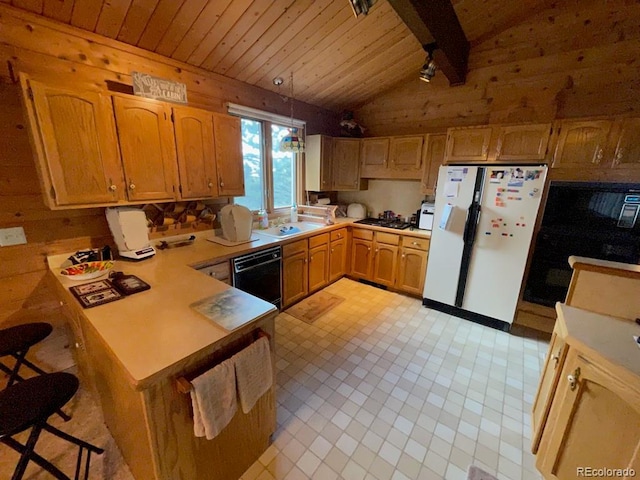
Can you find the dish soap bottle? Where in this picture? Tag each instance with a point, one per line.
(263, 219)
(294, 213)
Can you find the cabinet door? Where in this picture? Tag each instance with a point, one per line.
(412, 270)
(581, 144)
(593, 422)
(318, 163)
(628, 148)
(346, 164)
(196, 153)
(229, 161)
(433, 158)
(295, 275)
(547, 387)
(385, 264)
(521, 143)
(318, 267)
(405, 155)
(361, 258)
(337, 259)
(374, 155)
(147, 146)
(75, 138)
(468, 144)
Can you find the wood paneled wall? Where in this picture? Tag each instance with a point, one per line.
(59, 53)
(572, 59)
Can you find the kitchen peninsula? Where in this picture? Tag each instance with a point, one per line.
(132, 352)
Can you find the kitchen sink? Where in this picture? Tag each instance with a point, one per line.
(289, 229)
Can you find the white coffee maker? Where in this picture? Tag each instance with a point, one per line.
(129, 229)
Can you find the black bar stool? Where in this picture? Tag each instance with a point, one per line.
(28, 404)
(16, 342)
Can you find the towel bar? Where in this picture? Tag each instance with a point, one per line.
(184, 385)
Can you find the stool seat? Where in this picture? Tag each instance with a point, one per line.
(21, 337)
(34, 400)
(28, 404)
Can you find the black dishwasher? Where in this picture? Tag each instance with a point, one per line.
(259, 273)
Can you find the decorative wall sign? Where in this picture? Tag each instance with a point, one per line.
(145, 85)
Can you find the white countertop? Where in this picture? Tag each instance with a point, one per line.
(150, 331)
(609, 337)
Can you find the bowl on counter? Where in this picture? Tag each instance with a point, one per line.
(88, 270)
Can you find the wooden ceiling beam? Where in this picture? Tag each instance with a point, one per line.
(436, 21)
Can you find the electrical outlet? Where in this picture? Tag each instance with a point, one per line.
(12, 236)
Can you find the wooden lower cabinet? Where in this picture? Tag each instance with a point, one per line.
(394, 260)
(385, 259)
(361, 265)
(295, 272)
(338, 254)
(411, 270)
(547, 386)
(593, 422)
(318, 262)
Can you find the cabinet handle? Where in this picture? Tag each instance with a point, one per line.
(305, 260)
(332, 250)
(339, 235)
(368, 249)
(556, 359)
(598, 157)
(112, 187)
(404, 256)
(210, 184)
(573, 379)
(415, 243)
(484, 149)
(132, 186)
(619, 155)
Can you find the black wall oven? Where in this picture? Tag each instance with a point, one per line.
(595, 220)
(259, 274)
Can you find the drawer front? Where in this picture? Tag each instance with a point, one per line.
(318, 240)
(389, 238)
(220, 271)
(338, 234)
(294, 247)
(417, 243)
(362, 233)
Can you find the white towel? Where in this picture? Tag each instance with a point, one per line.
(214, 400)
(254, 372)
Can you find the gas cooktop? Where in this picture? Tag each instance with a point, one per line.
(382, 222)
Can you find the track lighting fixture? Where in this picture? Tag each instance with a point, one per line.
(429, 67)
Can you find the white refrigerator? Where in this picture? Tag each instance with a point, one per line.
(483, 224)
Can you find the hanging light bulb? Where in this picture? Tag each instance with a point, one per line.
(292, 142)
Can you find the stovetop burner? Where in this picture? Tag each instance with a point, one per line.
(381, 222)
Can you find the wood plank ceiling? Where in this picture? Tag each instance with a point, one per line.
(338, 61)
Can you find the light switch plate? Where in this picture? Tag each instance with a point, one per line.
(12, 236)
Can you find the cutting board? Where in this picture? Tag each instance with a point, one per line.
(228, 243)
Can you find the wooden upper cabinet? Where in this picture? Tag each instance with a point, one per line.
(346, 164)
(405, 154)
(196, 153)
(318, 163)
(518, 143)
(432, 159)
(468, 144)
(627, 151)
(374, 157)
(147, 146)
(581, 144)
(229, 160)
(74, 137)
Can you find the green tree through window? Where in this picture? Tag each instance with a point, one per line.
(269, 174)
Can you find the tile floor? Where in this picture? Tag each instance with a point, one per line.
(377, 388)
(383, 388)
